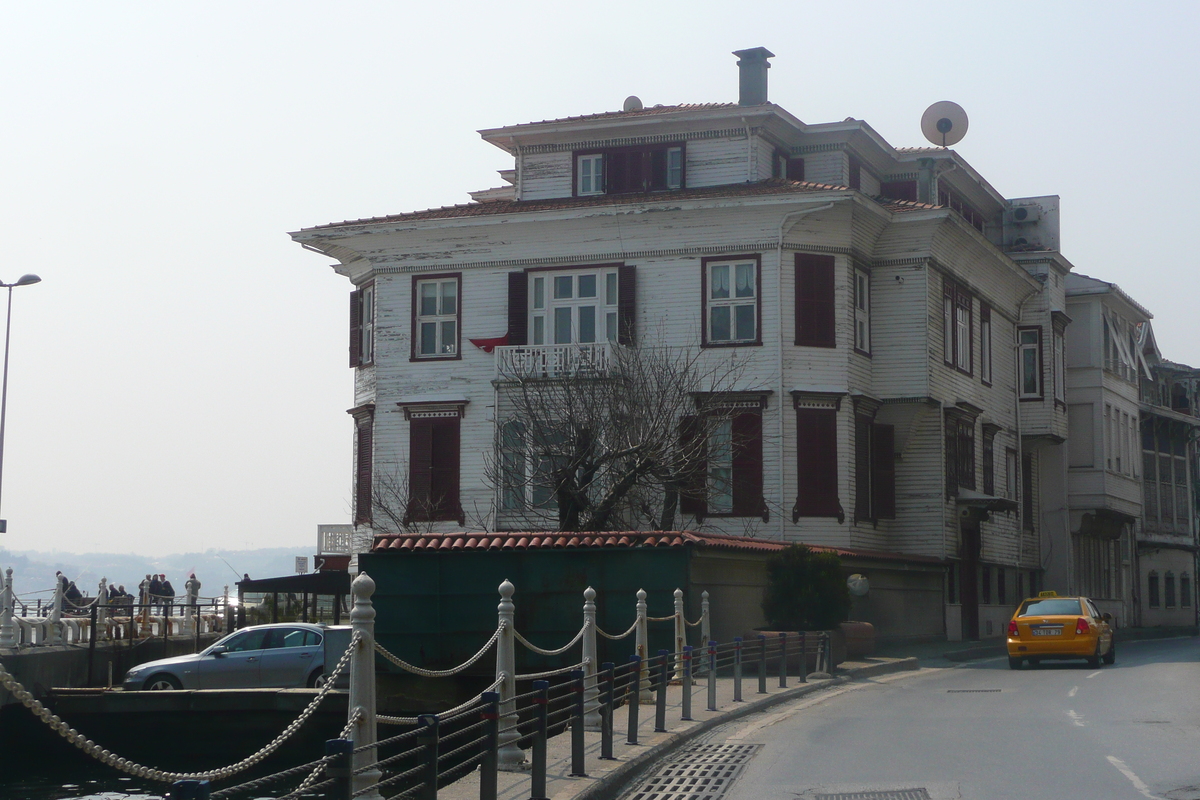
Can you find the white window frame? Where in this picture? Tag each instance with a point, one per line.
(439, 320)
(862, 311)
(732, 302)
(674, 167)
(589, 174)
(719, 458)
(1035, 347)
(1012, 472)
(962, 332)
(546, 306)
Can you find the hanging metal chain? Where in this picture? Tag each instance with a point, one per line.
(450, 712)
(632, 628)
(544, 652)
(438, 673)
(125, 765)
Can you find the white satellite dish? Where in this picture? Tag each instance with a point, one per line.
(944, 123)
(858, 585)
(632, 103)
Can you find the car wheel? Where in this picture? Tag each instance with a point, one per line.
(162, 682)
(1111, 656)
(1014, 663)
(317, 679)
(1094, 661)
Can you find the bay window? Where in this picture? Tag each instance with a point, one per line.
(1029, 362)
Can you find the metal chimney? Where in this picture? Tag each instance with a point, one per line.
(752, 75)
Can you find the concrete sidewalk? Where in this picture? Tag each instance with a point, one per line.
(606, 779)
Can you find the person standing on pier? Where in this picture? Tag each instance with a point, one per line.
(168, 593)
(154, 590)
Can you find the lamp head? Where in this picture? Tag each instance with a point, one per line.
(27, 279)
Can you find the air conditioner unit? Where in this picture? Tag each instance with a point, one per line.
(1023, 215)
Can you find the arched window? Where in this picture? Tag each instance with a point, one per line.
(1152, 589)
(1169, 589)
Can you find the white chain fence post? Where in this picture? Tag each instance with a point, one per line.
(101, 631)
(680, 635)
(54, 621)
(591, 705)
(191, 590)
(510, 756)
(642, 642)
(8, 627)
(362, 689)
(705, 626)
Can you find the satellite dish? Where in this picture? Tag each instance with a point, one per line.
(633, 103)
(944, 123)
(858, 585)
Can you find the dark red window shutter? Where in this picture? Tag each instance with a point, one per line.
(444, 470)
(658, 168)
(626, 304)
(816, 452)
(795, 169)
(862, 468)
(693, 449)
(518, 308)
(420, 468)
(951, 458)
(622, 171)
(748, 500)
(883, 468)
(815, 314)
(356, 328)
(899, 190)
(364, 434)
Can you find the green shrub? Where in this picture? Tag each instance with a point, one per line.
(805, 590)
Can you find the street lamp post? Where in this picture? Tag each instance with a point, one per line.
(24, 280)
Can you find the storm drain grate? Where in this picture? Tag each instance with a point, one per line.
(971, 691)
(704, 772)
(892, 794)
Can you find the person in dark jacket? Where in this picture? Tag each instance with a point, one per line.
(73, 594)
(155, 591)
(168, 593)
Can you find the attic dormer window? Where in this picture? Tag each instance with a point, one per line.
(620, 170)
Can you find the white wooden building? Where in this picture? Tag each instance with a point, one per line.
(899, 326)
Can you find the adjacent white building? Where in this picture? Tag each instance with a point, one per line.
(900, 331)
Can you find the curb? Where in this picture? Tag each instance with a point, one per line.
(1122, 635)
(613, 783)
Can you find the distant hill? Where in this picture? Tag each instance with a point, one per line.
(33, 571)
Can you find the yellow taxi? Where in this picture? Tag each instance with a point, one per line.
(1049, 627)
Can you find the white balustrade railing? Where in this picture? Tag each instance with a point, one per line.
(594, 360)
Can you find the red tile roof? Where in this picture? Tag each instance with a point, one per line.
(539, 540)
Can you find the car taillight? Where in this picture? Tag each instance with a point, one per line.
(1081, 627)
(1013, 633)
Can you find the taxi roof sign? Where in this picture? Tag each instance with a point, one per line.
(1048, 593)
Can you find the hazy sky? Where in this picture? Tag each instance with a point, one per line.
(179, 381)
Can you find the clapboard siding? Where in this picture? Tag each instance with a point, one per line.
(826, 167)
(546, 175)
(717, 162)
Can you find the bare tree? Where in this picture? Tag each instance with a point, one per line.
(614, 442)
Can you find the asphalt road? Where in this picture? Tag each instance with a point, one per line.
(1130, 730)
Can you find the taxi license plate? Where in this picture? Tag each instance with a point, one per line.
(1047, 631)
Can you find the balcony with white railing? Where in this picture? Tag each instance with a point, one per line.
(556, 361)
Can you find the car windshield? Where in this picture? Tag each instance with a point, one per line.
(1055, 606)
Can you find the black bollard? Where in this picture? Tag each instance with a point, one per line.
(803, 657)
(660, 699)
(339, 768)
(491, 747)
(712, 676)
(608, 705)
(737, 669)
(687, 682)
(577, 767)
(782, 660)
(635, 691)
(537, 787)
(194, 790)
(428, 739)
(762, 663)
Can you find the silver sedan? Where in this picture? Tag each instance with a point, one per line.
(282, 655)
